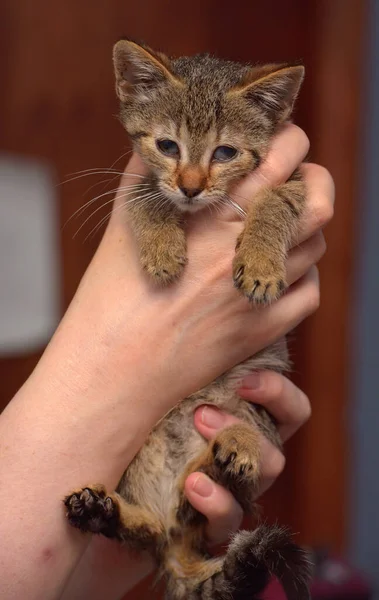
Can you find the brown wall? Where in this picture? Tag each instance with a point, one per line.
(57, 102)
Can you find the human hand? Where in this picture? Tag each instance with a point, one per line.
(291, 409)
(287, 403)
(109, 569)
(123, 341)
(205, 288)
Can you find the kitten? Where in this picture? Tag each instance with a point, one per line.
(201, 124)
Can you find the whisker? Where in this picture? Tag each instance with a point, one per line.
(103, 171)
(99, 208)
(137, 175)
(240, 196)
(99, 225)
(81, 209)
(210, 208)
(91, 215)
(87, 172)
(92, 169)
(120, 157)
(115, 162)
(134, 185)
(162, 201)
(239, 210)
(218, 209)
(99, 183)
(141, 199)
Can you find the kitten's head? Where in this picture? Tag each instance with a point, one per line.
(200, 123)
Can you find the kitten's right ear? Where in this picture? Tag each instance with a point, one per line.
(139, 70)
(274, 88)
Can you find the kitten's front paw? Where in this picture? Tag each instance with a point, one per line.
(90, 510)
(164, 263)
(260, 278)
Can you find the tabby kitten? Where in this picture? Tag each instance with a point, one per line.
(201, 124)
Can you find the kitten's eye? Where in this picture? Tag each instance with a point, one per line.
(224, 153)
(168, 147)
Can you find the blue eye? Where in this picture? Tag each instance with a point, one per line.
(224, 153)
(168, 147)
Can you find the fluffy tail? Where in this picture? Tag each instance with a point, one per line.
(252, 559)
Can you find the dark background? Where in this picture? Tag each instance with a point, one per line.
(57, 103)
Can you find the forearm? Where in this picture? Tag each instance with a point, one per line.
(37, 465)
(50, 443)
(44, 455)
(107, 570)
(123, 356)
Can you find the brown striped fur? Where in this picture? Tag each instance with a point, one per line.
(201, 103)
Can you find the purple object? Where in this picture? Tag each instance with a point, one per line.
(334, 579)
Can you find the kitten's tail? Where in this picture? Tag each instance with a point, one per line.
(252, 558)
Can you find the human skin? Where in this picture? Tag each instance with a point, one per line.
(110, 371)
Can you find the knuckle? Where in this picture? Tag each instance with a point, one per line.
(322, 245)
(238, 516)
(226, 518)
(275, 167)
(317, 247)
(275, 465)
(323, 211)
(329, 185)
(312, 298)
(303, 139)
(306, 408)
(274, 386)
(268, 172)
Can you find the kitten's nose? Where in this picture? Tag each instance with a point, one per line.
(190, 192)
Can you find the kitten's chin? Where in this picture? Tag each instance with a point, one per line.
(190, 206)
(187, 205)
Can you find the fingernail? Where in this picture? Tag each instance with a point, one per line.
(203, 486)
(213, 418)
(252, 381)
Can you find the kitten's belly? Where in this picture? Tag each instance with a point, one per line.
(152, 479)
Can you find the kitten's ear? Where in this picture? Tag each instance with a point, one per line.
(274, 88)
(139, 70)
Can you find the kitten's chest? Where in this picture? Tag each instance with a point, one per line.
(151, 480)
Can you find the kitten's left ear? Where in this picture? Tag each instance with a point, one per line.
(139, 70)
(276, 91)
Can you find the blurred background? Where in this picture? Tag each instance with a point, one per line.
(58, 121)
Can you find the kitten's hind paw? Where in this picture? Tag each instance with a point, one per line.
(236, 453)
(91, 510)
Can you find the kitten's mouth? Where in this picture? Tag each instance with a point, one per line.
(184, 203)
(188, 201)
(191, 204)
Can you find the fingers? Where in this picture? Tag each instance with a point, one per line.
(280, 397)
(302, 257)
(288, 150)
(301, 300)
(276, 320)
(319, 206)
(284, 401)
(217, 504)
